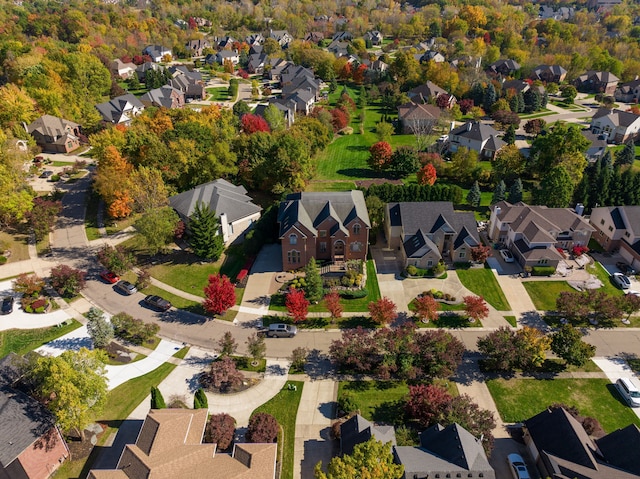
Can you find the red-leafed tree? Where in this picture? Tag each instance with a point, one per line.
(427, 403)
(427, 308)
(297, 305)
(480, 253)
(380, 155)
(427, 175)
(475, 307)
(219, 293)
(359, 73)
(442, 101)
(262, 427)
(221, 430)
(465, 105)
(254, 123)
(383, 311)
(339, 119)
(332, 300)
(67, 281)
(222, 376)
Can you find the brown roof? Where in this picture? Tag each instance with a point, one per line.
(418, 111)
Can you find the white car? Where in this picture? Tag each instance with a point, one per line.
(507, 256)
(621, 280)
(518, 467)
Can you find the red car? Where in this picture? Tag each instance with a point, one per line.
(109, 277)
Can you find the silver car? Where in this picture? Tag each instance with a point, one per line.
(621, 280)
(281, 330)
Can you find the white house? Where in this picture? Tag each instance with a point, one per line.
(618, 126)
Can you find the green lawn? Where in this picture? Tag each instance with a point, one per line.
(482, 282)
(218, 94)
(512, 321)
(91, 217)
(519, 399)
(544, 293)
(284, 407)
(604, 276)
(330, 186)
(17, 243)
(21, 341)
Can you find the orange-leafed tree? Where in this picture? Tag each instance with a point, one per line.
(121, 206)
(427, 308)
(383, 311)
(475, 307)
(332, 300)
(427, 175)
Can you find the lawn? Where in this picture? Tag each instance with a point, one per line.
(519, 399)
(21, 341)
(544, 293)
(603, 275)
(284, 407)
(218, 94)
(16, 243)
(91, 217)
(482, 282)
(512, 321)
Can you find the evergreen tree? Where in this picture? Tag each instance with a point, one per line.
(477, 93)
(520, 103)
(313, 289)
(157, 401)
(499, 192)
(200, 400)
(604, 181)
(489, 97)
(581, 194)
(627, 155)
(473, 197)
(510, 135)
(515, 192)
(556, 188)
(593, 186)
(204, 239)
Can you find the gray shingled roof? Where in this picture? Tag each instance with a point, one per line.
(219, 195)
(49, 125)
(620, 448)
(113, 109)
(357, 430)
(475, 130)
(161, 96)
(618, 117)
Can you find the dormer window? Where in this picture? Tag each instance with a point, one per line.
(356, 229)
(293, 239)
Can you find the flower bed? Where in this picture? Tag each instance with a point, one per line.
(440, 297)
(36, 305)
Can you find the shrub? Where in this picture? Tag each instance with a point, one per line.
(412, 270)
(579, 250)
(223, 375)
(543, 270)
(299, 359)
(354, 294)
(67, 281)
(262, 427)
(3, 259)
(144, 279)
(136, 331)
(200, 400)
(221, 430)
(347, 403)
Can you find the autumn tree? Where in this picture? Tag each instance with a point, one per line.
(535, 126)
(475, 307)
(297, 305)
(509, 163)
(205, 237)
(567, 343)
(427, 175)
(112, 181)
(221, 430)
(382, 311)
(116, 259)
(147, 189)
(332, 301)
(384, 130)
(426, 403)
(222, 375)
(256, 346)
(371, 459)
(42, 217)
(464, 164)
(426, 308)
(28, 284)
(629, 304)
(219, 293)
(99, 328)
(480, 253)
(262, 428)
(380, 156)
(67, 281)
(253, 123)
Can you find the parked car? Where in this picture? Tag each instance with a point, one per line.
(46, 174)
(625, 268)
(629, 391)
(518, 467)
(126, 288)
(7, 305)
(507, 256)
(157, 302)
(109, 277)
(280, 330)
(621, 280)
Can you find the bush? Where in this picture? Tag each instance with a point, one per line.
(222, 376)
(144, 279)
(3, 259)
(412, 270)
(220, 430)
(299, 359)
(262, 427)
(354, 294)
(542, 270)
(136, 331)
(348, 404)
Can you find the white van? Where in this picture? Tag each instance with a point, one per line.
(629, 391)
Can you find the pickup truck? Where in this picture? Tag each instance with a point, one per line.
(280, 330)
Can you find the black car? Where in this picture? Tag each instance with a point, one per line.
(157, 302)
(625, 268)
(126, 288)
(46, 174)
(7, 305)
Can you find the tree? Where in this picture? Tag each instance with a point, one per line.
(275, 118)
(479, 254)
(356, 350)
(475, 307)
(205, 238)
(563, 140)
(569, 93)
(147, 189)
(515, 192)
(43, 216)
(464, 164)
(100, 330)
(499, 192)
(473, 197)
(297, 305)
(73, 386)
(157, 227)
(375, 208)
(298, 359)
(339, 119)
(200, 400)
(380, 156)
(219, 294)
(426, 308)
(67, 281)
(157, 400)
(256, 347)
(556, 188)
(427, 403)
(332, 301)
(629, 304)
(427, 175)
(262, 428)
(382, 311)
(567, 343)
(136, 331)
(253, 123)
(535, 126)
(479, 422)
(627, 155)
(500, 350)
(313, 288)
(508, 163)
(384, 130)
(510, 135)
(115, 259)
(28, 284)
(490, 97)
(223, 375)
(370, 459)
(221, 430)
(404, 161)
(227, 344)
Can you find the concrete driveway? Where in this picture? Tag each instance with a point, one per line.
(616, 367)
(18, 319)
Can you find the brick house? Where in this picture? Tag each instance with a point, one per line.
(326, 226)
(597, 82)
(54, 134)
(618, 227)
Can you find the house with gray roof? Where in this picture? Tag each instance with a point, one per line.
(426, 233)
(281, 36)
(233, 207)
(189, 83)
(331, 226)
(597, 82)
(428, 93)
(628, 92)
(163, 97)
(357, 430)
(418, 118)
(504, 67)
(374, 36)
(55, 134)
(196, 47)
(288, 109)
(534, 233)
(121, 110)
(618, 227)
(476, 136)
(549, 73)
(617, 125)
(256, 63)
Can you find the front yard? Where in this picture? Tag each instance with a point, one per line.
(482, 282)
(21, 341)
(544, 293)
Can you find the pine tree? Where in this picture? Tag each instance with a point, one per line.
(510, 135)
(204, 239)
(200, 400)
(627, 155)
(499, 192)
(477, 93)
(157, 401)
(313, 288)
(515, 192)
(490, 97)
(473, 197)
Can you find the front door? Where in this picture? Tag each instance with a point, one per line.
(338, 251)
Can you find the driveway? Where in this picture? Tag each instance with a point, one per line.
(261, 283)
(18, 319)
(616, 367)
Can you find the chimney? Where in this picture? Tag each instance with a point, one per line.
(224, 226)
(453, 125)
(469, 125)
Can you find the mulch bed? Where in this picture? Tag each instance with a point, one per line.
(80, 449)
(114, 351)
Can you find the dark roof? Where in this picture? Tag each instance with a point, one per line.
(620, 448)
(475, 130)
(112, 110)
(418, 111)
(357, 430)
(617, 218)
(618, 117)
(10, 369)
(24, 420)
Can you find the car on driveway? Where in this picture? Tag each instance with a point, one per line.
(625, 268)
(46, 174)
(109, 277)
(126, 288)
(621, 280)
(7, 305)
(518, 467)
(157, 302)
(281, 330)
(507, 256)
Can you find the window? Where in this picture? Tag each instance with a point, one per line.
(322, 233)
(602, 221)
(627, 234)
(293, 256)
(293, 239)
(610, 228)
(356, 229)
(543, 261)
(357, 246)
(429, 263)
(323, 247)
(462, 254)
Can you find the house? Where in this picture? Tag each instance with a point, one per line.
(342, 37)
(597, 82)
(357, 430)
(338, 48)
(31, 445)
(597, 146)
(165, 97)
(281, 36)
(170, 445)
(560, 14)
(331, 226)
(54, 134)
(602, 6)
(431, 56)
(305, 83)
(292, 73)
(142, 70)
(444, 452)
(276, 66)
(228, 55)
(122, 70)
(314, 37)
(505, 67)
(196, 47)
(618, 126)
(256, 63)
(618, 227)
(226, 43)
(374, 36)
(517, 86)
(428, 93)
(157, 52)
(417, 117)
(549, 73)
(478, 137)
(628, 92)
(533, 233)
(375, 69)
(189, 83)
(427, 232)
(287, 108)
(254, 39)
(561, 448)
(120, 110)
(234, 208)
